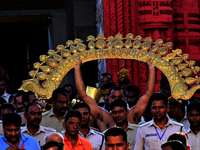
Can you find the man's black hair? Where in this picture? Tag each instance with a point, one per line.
(108, 85)
(175, 103)
(73, 113)
(158, 96)
(25, 96)
(194, 105)
(163, 81)
(29, 105)
(2, 100)
(174, 144)
(125, 81)
(81, 105)
(116, 131)
(7, 106)
(61, 91)
(70, 85)
(52, 144)
(180, 137)
(118, 103)
(105, 74)
(20, 93)
(118, 88)
(133, 88)
(12, 118)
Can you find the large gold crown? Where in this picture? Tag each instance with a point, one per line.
(53, 67)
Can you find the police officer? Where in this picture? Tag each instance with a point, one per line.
(151, 135)
(33, 114)
(55, 117)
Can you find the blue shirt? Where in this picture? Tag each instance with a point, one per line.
(29, 142)
(105, 107)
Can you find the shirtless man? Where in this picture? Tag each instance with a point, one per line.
(104, 118)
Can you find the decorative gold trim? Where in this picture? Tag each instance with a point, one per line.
(175, 65)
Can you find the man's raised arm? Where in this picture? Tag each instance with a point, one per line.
(137, 111)
(95, 110)
(104, 118)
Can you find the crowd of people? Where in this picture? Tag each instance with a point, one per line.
(123, 119)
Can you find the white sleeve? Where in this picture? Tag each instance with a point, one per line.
(139, 144)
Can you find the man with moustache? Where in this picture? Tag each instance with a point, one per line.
(72, 140)
(104, 118)
(151, 135)
(33, 115)
(193, 132)
(95, 138)
(54, 118)
(116, 138)
(119, 112)
(12, 138)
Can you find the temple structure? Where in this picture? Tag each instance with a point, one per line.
(175, 21)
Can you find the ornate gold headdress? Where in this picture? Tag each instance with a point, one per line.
(175, 65)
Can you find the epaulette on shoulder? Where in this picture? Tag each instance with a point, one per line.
(50, 129)
(45, 113)
(135, 125)
(177, 123)
(100, 133)
(144, 124)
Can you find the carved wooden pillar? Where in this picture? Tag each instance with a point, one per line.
(187, 29)
(118, 19)
(155, 20)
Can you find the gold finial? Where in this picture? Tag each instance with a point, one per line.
(118, 43)
(110, 42)
(128, 43)
(100, 41)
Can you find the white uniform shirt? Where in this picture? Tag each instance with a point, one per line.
(39, 135)
(49, 119)
(95, 138)
(147, 137)
(184, 121)
(193, 139)
(131, 131)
